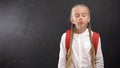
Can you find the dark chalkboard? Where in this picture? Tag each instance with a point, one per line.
(30, 31)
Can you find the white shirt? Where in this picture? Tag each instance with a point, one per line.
(81, 52)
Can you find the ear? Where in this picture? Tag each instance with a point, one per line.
(72, 21)
(89, 19)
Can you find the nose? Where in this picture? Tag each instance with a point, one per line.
(80, 18)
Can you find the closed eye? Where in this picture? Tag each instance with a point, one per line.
(77, 15)
(84, 14)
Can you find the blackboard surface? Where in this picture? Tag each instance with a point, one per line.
(30, 31)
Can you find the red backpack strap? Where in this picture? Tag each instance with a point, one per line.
(67, 41)
(95, 39)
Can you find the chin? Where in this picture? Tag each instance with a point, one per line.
(78, 27)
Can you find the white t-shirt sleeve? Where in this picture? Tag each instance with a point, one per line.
(62, 53)
(99, 56)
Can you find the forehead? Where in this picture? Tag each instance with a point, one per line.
(80, 9)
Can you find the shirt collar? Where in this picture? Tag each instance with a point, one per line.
(83, 33)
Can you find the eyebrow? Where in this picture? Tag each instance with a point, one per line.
(77, 14)
(84, 13)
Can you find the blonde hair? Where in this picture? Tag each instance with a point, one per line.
(80, 5)
(92, 50)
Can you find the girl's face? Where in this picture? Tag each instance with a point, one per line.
(80, 17)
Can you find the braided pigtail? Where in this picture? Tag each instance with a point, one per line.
(69, 53)
(92, 51)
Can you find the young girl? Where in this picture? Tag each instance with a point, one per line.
(81, 52)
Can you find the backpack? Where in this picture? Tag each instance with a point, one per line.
(95, 38)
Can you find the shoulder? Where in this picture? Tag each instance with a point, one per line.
(95, 35)
(63, 35)
(94, 32)
(67, 31)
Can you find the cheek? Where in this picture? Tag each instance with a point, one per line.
(73, 21)
(87, 19)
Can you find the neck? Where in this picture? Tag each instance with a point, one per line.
(78, 31)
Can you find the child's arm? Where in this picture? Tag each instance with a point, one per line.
(99, 56)
(62, 54)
